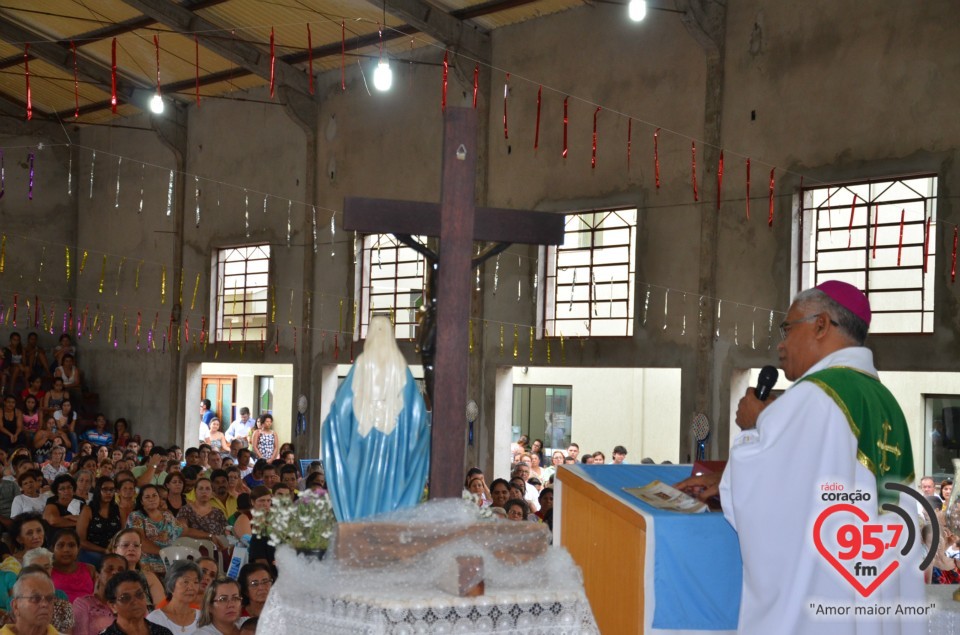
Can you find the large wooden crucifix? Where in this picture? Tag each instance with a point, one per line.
(458, 223)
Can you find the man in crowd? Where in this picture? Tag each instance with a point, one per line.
(240, 429)
(619, 454)
(205, 416)
(827, 428)
(573, 451)
(32, 605)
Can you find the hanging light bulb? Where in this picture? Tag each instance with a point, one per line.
(637, 10)
(156, 104)
(382, 76)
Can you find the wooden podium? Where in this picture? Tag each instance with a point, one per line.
(607, 539)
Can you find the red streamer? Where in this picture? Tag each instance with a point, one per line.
(343, 55)
(629, 139)
(656, 156)
(476, 84)
(900, 244)
(693, 170)
(273, 60)
(156, 45)
(876, 219)
(853, 207)
(719, 179)
(26, 73)
(926, 243)
(276, 341)
(593, 156)
(15, 296)
(196, 66)
(76, 83)
(953, 260)
(748, 189)
(446, 68)
(506, 86)
(770, 213)
(536, 134)
(565, 122)
(113, 76)
(186, 329)
(310, 57)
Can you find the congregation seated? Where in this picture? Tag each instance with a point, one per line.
(201, 519)
(40, 561)
(256, 580)
(48, 437)
(221, 608)
(129, 545)
(182, 584)
(92, 613)
(127, 595)
(99, 521)
(62, 509)
(157, 527)
(76, 579)
(31, 607)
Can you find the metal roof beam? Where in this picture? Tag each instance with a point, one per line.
(246, 55)
(456, 34)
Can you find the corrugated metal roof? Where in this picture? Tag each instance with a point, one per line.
(93, 24)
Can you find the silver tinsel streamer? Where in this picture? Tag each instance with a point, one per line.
(573, 290)
(314, 221)
(93, 163)
(70, 172)
(246, 213)
(43, 253)
(496, 275)
(289, 222)
(646, 306)
(170, 195)
(264, 203)
(333, 232)
(610, 302)
(700, 314)
(736, 327)
(770, 331)
(666, 304)
(143, 167)
(196, 197)
(356, 248)
(518, 290)
(719, 308)
(116, 290)
(683, 324)
(379, 256)
(116, 199)
(753, 329)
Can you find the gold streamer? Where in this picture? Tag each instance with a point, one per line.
(470, 329)
(563, 350)
(290, 312)
(136, 278)
(163, 285)
(516, 341)
(110, 328)
(67, 261)
(353, 322)
(103, 272)
(178, 338)
(549, 361)
(196, 287)
(43, 254)
(501, 340)
(180, 291)
(125, 329)
(340, 324)
(116, 289)
(273, 304)
(531, 343)
(3, 252)
(83, 261)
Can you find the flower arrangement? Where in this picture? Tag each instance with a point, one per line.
(305, 524)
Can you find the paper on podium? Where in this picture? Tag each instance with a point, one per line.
(662, 496)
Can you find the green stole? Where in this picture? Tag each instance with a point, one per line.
(875, 418)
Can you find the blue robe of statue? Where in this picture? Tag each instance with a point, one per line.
(379, 472)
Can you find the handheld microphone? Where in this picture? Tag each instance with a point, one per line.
(766, 382)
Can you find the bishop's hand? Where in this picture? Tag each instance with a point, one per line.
(701, 487)
(749, 409)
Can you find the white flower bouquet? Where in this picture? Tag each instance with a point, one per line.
(306, 524)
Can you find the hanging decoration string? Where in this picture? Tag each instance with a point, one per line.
(719, 179)
(693, 170)
(593, 156)
(656, 157)
(953, 257)
(476, 84)
(629, 139)
(343, 55)
(310, 58)
(30, 158)
(443, 96)
(926, 242)
(506, 91)
(196, 68)
(26, 73)
(770, 213)
(76, 82)
(748, 189)
(853, 209)
(566, 122)
(536, 134)
(156, 45)
(900, 243)
(113, 76)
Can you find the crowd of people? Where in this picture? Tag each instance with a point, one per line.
(528, 493)
(89, 507)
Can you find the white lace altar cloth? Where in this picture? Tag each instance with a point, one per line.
(335, 597)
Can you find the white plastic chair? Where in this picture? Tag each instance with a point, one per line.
(171, 554)
(199, 545)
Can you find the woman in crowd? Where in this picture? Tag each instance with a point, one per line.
(66, 419)
(31, 417)
(103, 454)
(264, 439)
(74, 578)
(158, 528)
(216, 439)
(535, 469)
(84, 486)
(128, 598)
(29, 499)
(70, 374)
(99, 521)
(235, 484)
(55, 465)
(537, 448)
(54, 397)
(516, 509)
(121, 433)
(946, 488)
(260, 498)
(256, 580)
(129, 545)
(199, 518)
(126, 497)
(145, 448)
(210, 570)
(222, 604)
(12, 425)
(27, 531)
(16, 361)
(91, 613)
(62, 509)
(182, 584)
(175, 499)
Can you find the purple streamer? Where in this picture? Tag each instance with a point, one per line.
(30, 190)
(3, 176)
(64, 322)
(2, 307)
(149, 339)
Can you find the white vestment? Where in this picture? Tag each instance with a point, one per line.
(772, 493)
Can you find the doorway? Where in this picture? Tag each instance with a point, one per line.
(221, 391)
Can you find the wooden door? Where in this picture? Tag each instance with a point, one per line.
(221, 390)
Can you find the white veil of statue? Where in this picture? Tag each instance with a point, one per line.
(376, 439)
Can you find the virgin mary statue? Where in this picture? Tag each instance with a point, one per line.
(376, 439)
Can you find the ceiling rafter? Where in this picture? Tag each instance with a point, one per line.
(243, 54)
(454, 33)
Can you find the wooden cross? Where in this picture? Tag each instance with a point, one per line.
(458, 223)
(886, 448)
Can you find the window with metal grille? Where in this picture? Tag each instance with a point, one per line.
(242, 293)
(588, 286)
(392, 278)
(878, 235)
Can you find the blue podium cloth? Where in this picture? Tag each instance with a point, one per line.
(697, 572)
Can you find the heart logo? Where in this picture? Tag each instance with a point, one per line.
(829, 556)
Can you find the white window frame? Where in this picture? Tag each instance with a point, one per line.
(256, 293)
(402, 297)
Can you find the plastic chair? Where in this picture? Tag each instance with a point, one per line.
(204, 547)
(171, 554)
